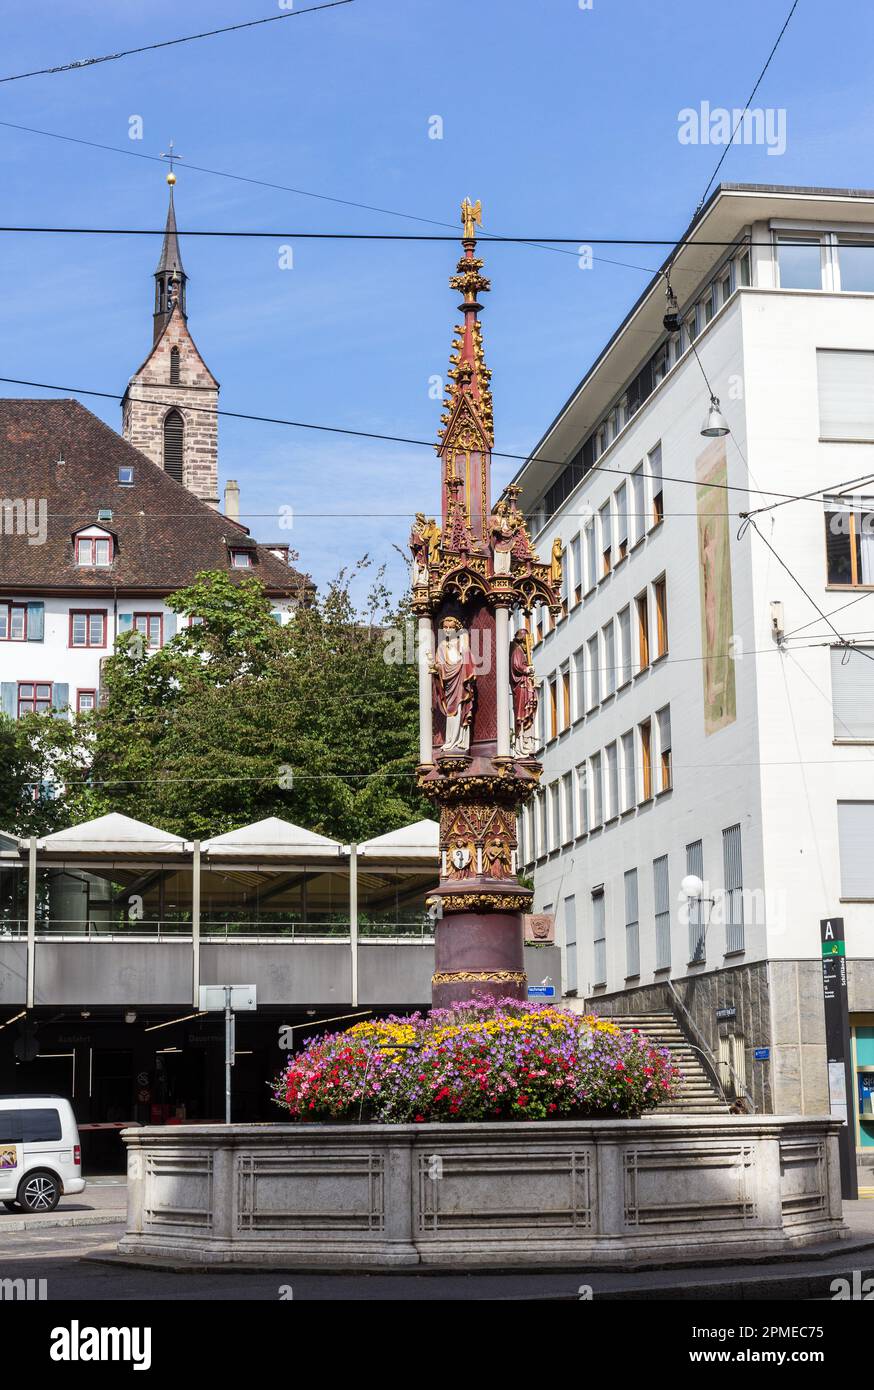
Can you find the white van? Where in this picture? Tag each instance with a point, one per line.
(40, 1157)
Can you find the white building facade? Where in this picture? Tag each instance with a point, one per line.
(707, 697)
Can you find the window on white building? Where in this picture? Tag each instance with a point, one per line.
(582, 800)
(695, 865)
(567, 796)
(88, 628)
(800, 263)
(13, 622)
(597, 790)
(733, 873)
(612, 789)
(638, 504)
(591, 557)
(578, 703)
(621, 498)
(849, 541)
(606, 527)
(856, 265)
(570, 944)
(632, 926)
(599, 937)
(663, 723)
(625, 653)
(151, 625)
(629, 772)
(853, 693)
(576, 572)
(594, 665)
(655, 473)
(662, 909)
(855, 838)
(609, 649)
(846, 393)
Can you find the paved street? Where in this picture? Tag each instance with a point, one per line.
(79, 1265)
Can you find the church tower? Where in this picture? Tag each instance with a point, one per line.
(170, 406)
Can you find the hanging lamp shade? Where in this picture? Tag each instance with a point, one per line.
(715, 424)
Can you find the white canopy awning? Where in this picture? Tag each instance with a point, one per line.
(419, 842)
(272, 838)
(112, 834)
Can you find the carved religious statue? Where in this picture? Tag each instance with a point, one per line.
(503, 529)
(471, 216)
(497, 858)
(524, 691)
(424, 543)
(462, 859)
(454, 673)
(555, 564)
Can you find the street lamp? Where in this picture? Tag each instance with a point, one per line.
(693, 887)
(715, 424)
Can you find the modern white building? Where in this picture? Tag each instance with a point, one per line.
(707, 697)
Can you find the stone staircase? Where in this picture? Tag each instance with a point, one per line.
(698, 1094)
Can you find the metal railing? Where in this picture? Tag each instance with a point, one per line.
(271, 929)
(742, 1091)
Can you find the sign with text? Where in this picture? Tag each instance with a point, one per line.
(837, 1046)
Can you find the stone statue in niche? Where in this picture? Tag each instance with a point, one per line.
(454, 674)
(523, 687)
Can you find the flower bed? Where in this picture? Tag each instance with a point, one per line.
(477, 1061)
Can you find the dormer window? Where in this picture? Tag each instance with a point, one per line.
(241, 559)
(94, 548)
(126, 475)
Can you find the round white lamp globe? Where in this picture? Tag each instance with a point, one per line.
(692, 886)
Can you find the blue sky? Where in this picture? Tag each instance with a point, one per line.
(561, 120)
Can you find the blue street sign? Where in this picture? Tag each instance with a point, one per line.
(762, 1054)
(541, 991)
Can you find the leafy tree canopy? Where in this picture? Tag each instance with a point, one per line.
(238, 718)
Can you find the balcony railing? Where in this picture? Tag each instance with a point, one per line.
(267, 929)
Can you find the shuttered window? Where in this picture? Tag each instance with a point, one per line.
(695, 865)
(599, 938)
(174, 366)
(632, 926)
(570, 944)
(853, 692)
(174, 434)
(662, 905)
(855, 837)
(734, 907)
(846, 394)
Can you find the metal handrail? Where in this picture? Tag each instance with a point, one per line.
(715, 1063)
(172, 929)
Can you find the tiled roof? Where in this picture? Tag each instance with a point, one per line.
(58, 451)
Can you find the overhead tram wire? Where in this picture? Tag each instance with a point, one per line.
(748, 522)
(746, 108)
(386, 438)
(171, 43)
(305, 192)
(494, 238)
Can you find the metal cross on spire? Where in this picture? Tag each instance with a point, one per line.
(170, 153)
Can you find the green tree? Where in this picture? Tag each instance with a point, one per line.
(238, 718)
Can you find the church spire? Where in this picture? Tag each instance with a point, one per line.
(467, 431)
(170, 277)
(468, 372)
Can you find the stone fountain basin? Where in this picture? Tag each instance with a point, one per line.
(537, 1194)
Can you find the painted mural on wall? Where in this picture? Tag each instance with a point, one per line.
(714, 570)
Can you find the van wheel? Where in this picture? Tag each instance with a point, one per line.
(11, 1206)
(39, 1191)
